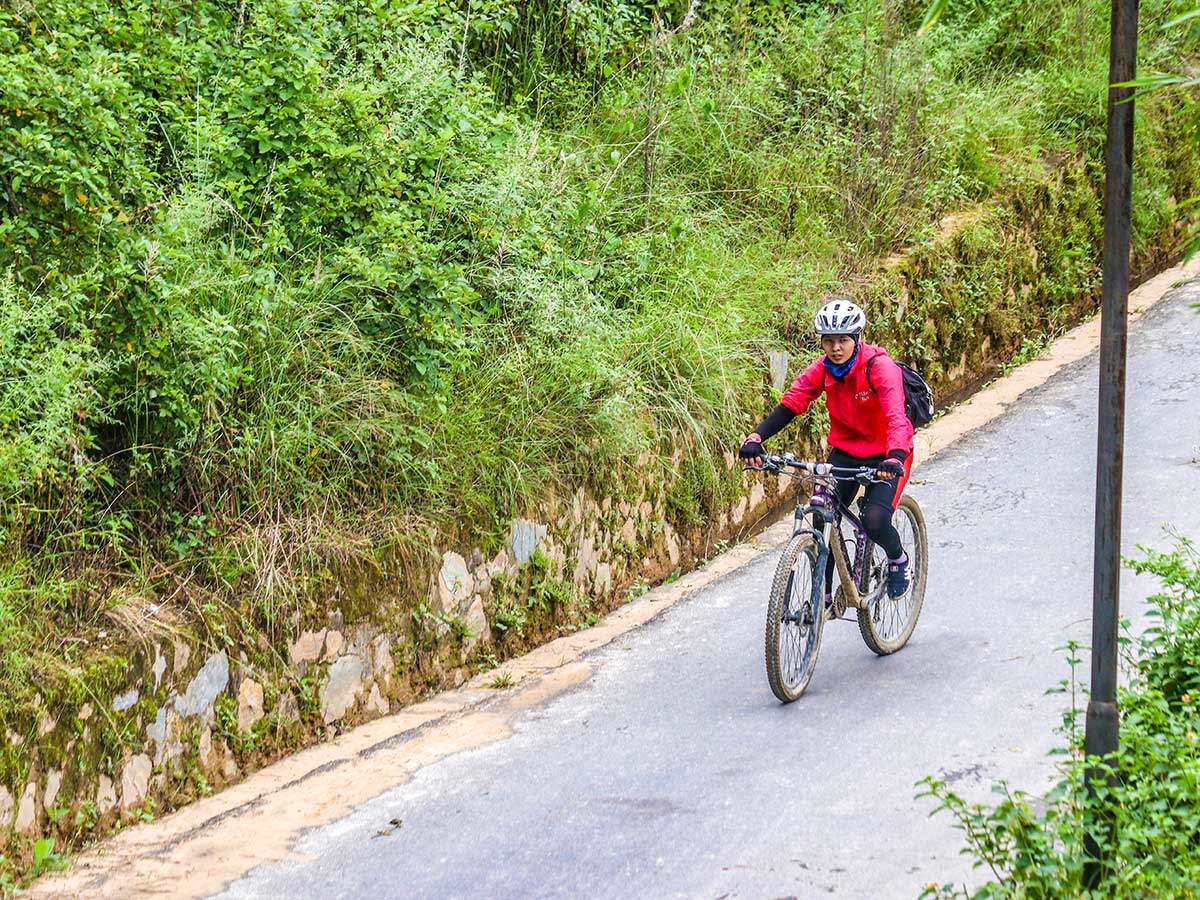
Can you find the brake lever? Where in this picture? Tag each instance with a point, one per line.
(775, 470)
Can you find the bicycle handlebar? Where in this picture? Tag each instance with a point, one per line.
(777, 464)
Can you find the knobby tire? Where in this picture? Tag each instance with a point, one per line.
(791, 591)
(886, 624)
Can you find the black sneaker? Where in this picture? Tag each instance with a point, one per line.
(897, 577)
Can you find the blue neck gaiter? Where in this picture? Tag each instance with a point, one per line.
(840, 372)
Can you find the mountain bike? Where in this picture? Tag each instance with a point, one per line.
(798, 608)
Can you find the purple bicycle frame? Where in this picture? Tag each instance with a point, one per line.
(823, 498)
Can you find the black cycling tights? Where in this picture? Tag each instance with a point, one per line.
(881, 495)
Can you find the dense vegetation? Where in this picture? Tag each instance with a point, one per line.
(293, 274)
(1033, 846)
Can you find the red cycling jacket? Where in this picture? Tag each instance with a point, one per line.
(863, 422)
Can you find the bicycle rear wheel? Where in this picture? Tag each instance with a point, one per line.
(793, 624)
(887, 624)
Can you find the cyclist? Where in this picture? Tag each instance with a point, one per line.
(868, 425)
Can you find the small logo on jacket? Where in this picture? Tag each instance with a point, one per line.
(862, 396)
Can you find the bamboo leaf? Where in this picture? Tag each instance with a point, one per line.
(932, 14)
(1179, 20)
(1156, 82)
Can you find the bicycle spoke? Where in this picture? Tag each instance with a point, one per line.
(886, 623)
(793, 630)
(797, 628)
(891, 615)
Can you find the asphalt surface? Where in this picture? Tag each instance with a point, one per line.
(673, 771)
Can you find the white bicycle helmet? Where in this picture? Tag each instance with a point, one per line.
(840, 316)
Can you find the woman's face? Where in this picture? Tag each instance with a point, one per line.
(838, 347)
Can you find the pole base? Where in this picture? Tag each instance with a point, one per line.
(1100, 740)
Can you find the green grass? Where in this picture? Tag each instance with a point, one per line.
(501, 681)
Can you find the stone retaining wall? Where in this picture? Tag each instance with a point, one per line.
(181, 719)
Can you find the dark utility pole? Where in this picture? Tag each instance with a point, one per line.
(1102, 722)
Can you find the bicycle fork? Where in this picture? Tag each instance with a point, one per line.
(822, 538)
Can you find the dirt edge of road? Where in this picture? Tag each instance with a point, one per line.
(201, 848)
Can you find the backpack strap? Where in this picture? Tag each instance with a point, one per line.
(871, 362)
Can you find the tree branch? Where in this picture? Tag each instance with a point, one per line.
(688, 21)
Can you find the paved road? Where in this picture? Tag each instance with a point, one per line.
(674, 772)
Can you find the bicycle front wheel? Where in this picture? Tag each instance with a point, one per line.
(885, 623)
(794, 625)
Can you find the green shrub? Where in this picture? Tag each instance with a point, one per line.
(49, 409)
(1033, 846)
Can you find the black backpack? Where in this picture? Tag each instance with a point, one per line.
(918, 398)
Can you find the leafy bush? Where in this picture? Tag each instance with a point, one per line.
(48, 408)
(1033, 846)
